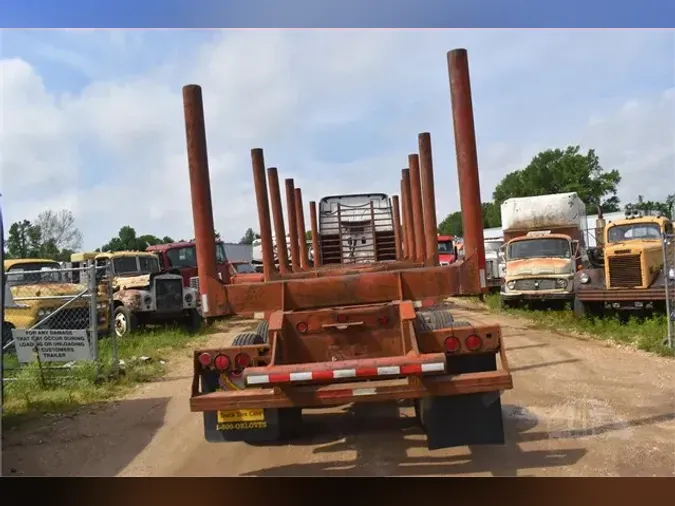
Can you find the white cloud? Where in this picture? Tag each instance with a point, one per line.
(114, 150)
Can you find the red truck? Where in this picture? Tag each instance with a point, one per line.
(183, 257)
(447, 252)
(354, 331)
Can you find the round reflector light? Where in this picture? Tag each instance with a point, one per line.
(452, 344)
(205, 359)
(383, 320)
(242, 360)
(222, 362)
(302, 327)
(473, 342)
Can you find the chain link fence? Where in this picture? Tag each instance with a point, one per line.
(54, 317)
(669, 271)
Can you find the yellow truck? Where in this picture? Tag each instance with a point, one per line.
(38, 287)
(142, 292)
(627, 271)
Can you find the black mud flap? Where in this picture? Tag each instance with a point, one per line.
(462, 420)
(276, 424)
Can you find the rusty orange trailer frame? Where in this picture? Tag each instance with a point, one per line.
(384, 293)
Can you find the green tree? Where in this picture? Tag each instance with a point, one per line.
(665, 207)
(127, 240)
(58, 232)
(249, 237)
(452, 224)
(23, 240)
(560, 171)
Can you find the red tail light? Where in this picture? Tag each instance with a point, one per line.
(222, 362)
(242, 360)
(302, 327)
(452, 344)
(383, 320)
(473, 342)
(342, 318)
(205, 359)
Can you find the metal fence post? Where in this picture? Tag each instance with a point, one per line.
(93, 314)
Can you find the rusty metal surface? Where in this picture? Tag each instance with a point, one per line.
(347, 269)
(408, 223)
(292, 224)
(428, 198)
(467, 157)
(404, 227)
(278, 217)
(397, 227)
(316, 250)
(202, 209)
(260, 185)
(417, 208)
(302, 239)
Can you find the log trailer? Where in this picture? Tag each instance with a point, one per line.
(365, 328)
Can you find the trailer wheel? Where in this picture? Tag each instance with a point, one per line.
(262, 330)
(434, 319)
(248, 339)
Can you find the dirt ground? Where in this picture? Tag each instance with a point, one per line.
(578, 408)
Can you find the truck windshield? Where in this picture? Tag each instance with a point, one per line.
(446, 247)
(186, 256)
(135, 265)
(539, 248)
(34, 274)
(492, 246)
(632, 231)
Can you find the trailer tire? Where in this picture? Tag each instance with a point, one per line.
(263, 329)
(434, 319)
(193, 321)
(248, 339)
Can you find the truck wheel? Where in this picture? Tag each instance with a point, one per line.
(193, 321)
(126, 322)
(506, 304)
(580, 308)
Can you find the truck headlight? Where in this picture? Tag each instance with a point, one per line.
(584, 278)
(148, 300)
(671, 273)
(561, 283)
(511, 285)
(42, 313)
(188, 298)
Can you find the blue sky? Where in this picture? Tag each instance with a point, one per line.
(92, 120)
(337, 13)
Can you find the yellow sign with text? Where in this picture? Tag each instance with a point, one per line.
(241, 415)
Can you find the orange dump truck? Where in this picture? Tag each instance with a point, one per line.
(367, 322)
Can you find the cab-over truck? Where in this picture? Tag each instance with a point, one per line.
(369, 327)
(627, 272)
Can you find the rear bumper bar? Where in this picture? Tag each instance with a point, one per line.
(412, 387)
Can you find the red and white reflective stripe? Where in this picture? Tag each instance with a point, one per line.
(392, 370)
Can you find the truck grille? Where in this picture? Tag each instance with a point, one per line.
(194, 282)
(169, 293)
(625, 271)
(531, 284)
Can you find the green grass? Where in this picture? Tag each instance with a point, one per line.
(27, 396)
(644, 334)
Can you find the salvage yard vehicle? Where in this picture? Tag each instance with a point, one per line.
(32, 283)
(544, 247)
(143, 293)
(628, 273)
(447, 251)
(361, 330)
(495, 265)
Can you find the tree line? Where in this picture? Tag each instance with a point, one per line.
(54, 235)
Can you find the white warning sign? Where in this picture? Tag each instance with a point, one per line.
(52, 345)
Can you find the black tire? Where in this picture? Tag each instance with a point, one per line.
(193, 321)
(506, 304)
(248, 339)
(580, 308)
(434, 319)
(126, 322)
(263, 329)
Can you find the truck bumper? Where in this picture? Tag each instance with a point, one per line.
(537, 296)
(624, 295)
